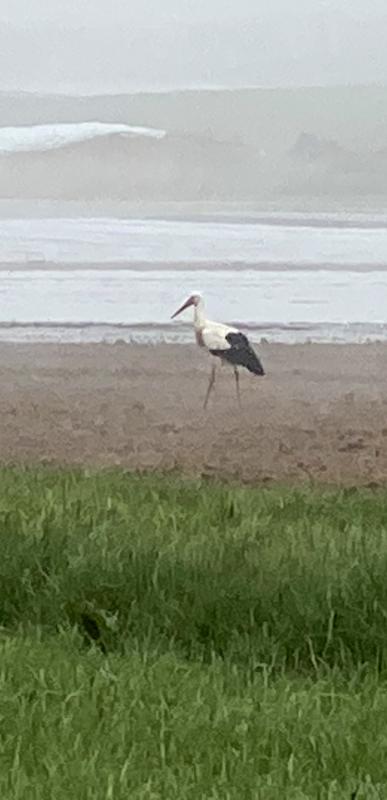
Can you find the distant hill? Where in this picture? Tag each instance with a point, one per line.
(222, 144)
(271, 119)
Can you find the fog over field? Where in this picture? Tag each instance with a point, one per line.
(233, 87)
(85, 47)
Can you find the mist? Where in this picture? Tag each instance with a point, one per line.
(95, 47)
(307, 115)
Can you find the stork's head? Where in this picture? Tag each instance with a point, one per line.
(194, 300)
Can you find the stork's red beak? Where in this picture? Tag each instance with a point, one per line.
(185, 305)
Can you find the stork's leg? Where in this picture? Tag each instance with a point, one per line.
(238, 391)
(210, 385)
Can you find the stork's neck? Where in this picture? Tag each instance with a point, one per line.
(199, 318)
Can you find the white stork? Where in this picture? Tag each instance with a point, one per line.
(226, 343)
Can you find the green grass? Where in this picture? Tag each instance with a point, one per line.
(170, 639)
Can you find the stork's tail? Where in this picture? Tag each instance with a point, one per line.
(241, 354)
(252, 363)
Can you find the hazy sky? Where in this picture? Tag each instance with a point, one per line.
(121, 45)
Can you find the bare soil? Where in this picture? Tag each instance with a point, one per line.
(320, 413)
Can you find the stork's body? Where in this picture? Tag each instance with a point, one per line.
(222, 341)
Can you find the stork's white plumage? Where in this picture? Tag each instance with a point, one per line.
(223, 341)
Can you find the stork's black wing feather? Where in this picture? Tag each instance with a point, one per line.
(240, 353)
(238, 341)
